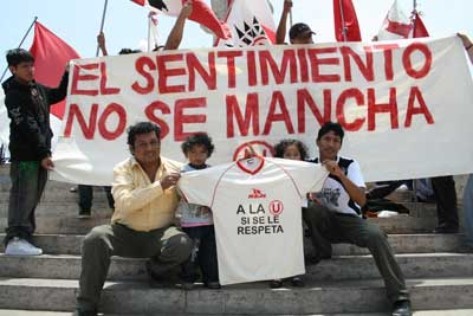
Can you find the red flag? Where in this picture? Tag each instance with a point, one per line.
(419, 28)
(201, 13)
(345, 20)
(51, 55)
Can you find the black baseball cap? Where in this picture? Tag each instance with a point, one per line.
(300, 29)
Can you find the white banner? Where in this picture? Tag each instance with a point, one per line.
(4, 124)
(406, 105)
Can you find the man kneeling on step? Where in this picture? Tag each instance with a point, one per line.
(145, 201)
(334, 216)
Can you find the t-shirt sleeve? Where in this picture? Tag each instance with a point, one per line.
(355, 175)
(307, 176)
(197, 187)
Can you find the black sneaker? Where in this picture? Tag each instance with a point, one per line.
(213, 285)
(79, 312)
(276, 284)
(84, 213)
(445, 230)
(402, 308)
(297, 281)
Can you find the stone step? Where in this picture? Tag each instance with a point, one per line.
(69, 223)
(404, 224)
(69, 205)
(51, 186)
(56, 201)
(401, 243)
(452, 312)
(53, 198)
(428, 265)
(360, 296)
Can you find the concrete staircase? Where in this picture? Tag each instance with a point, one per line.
(439, 274)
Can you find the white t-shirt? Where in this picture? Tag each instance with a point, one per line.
(256, 205)
(334, 196)
(193, 215)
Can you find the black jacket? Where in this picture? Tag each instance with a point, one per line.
(28, 108)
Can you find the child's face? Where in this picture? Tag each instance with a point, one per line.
(197, 155)
(292, 152)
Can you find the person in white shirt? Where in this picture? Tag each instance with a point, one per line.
(334, 216)
(197, 221)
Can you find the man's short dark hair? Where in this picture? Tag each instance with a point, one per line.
(280, 148)
(127, 51)
(198, 139)
(300, 29)
(331, 126)
(142, 128)
(18, 55)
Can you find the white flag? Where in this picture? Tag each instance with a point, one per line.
(152, 30)
(396, 25)
(4, 122)
(251, 23)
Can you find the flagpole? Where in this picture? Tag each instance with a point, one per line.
(149, 33)
(105, 5)
(414, 17)
(344, 30)
(290, 16)
(19, 45)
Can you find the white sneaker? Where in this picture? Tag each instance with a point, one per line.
(21, 247)
(387, 214)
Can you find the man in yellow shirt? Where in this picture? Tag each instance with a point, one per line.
(142, 224)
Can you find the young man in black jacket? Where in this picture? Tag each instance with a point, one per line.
(28, 104)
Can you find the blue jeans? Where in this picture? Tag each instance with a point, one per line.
(468, 209)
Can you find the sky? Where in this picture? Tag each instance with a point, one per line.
(78, 21)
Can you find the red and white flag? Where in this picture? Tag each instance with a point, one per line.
(153, 40)
(51, 55)
(398, 25)
(251, 23)
(347, 28)
(201, 13)
(419, 28)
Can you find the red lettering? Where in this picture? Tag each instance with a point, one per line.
(209, 76)
(230, 55)
(388, 58)
(303, 98)
(150, 114)
(273, 116)
(303, 65)
(243, 121)
(374, 108)
(166, 73)
(77, 76)
(180, 118)
(251, 66)
(407, 60)
(112, 108)
(140, 65)
(366, 68)
(316, 62)
(278, 74)
(104, 90)
(87, 129)
(416, 94)
(341, 101)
